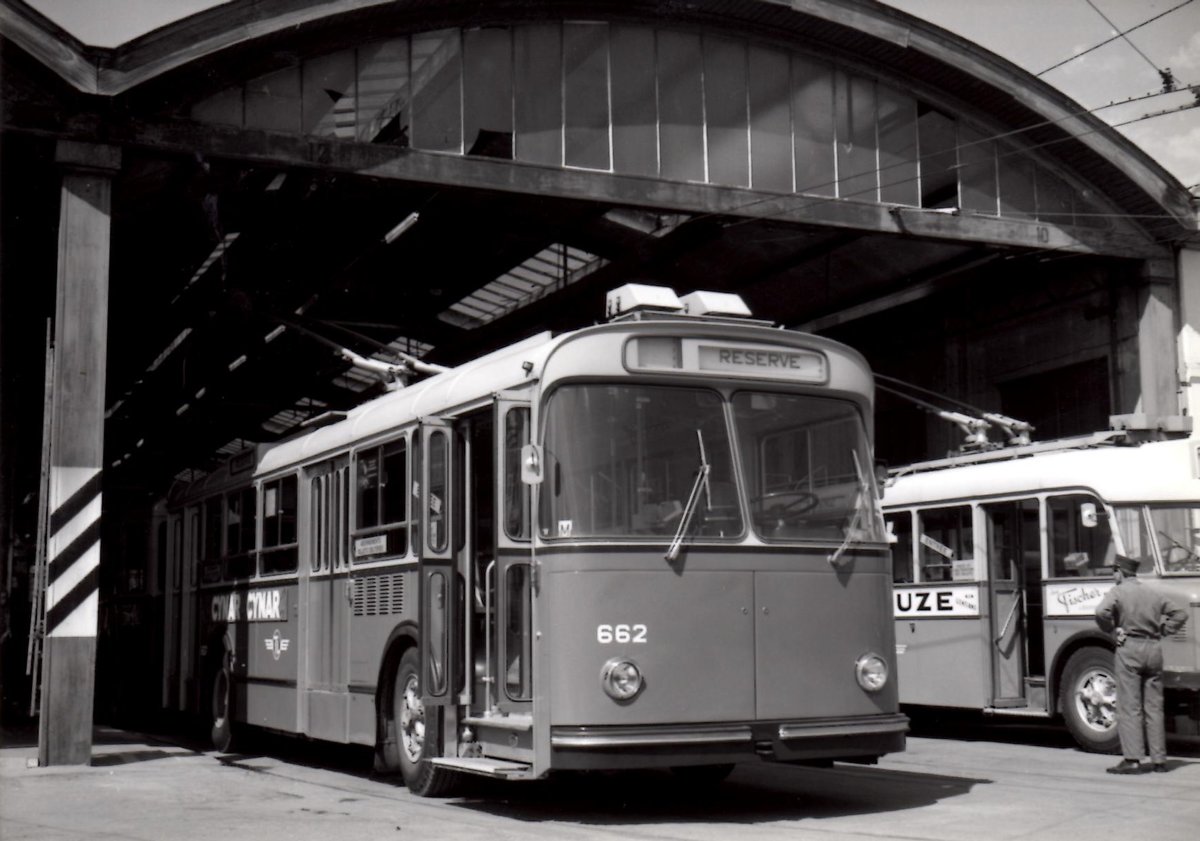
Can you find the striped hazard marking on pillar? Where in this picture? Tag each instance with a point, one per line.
(73, 552)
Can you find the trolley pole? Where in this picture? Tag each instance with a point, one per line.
(72, 574)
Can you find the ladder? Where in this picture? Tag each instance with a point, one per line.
(39, 573)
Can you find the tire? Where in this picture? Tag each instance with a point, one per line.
(702, 775)
(1088, 694)
(422, 777)
(222, 733)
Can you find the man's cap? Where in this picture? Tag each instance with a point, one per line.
(1126, 564)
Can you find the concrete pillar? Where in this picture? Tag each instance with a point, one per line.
(1189, 334)
(1158, 300)
(76, 453)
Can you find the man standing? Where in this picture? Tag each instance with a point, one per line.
(1141, 617)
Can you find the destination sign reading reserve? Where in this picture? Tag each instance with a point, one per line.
(804, 366)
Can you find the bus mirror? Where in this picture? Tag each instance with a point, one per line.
(531, 464)
(1088, 517)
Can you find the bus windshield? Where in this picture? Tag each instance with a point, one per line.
(621, 461)
(808, 469)
(1175, 528)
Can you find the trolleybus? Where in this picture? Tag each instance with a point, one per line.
(653, 542)
(1001, 558)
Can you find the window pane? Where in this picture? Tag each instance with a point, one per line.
(212, 528)
(634, 102)
(287, 510)
(640, 488)
(383, 93)
(488, 92)
(946, 536)
(518, 633)
(318, 555)
(1053, 198)
(516, 492)
(902, 550)
(438, 496)
(368, 489)
(437, 648)
(812, 117)
(538, 91)
(1177, 529)
(725, 102)
(854, 111)
(806, 467)
(1077, 550)
(977, 172)
(939, 159)
(585, 71)
(681, 107)
(328, 104)
(770, 120)
(273, 101)
(897, 147)
(393, 483)
(1016, 184)
(437, 91)
(224, 108)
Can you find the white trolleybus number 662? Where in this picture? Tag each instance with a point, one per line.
(1001, 558)
(655, 542)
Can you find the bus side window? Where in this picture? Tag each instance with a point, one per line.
(946, 536)
(280, 548)
(900, 525)
(1077, 550)
(516, 492)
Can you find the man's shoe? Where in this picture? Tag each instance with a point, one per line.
(1126, 766)
(1160, 767)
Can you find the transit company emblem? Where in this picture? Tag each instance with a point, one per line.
(276, 644)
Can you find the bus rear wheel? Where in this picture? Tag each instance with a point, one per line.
(1089, 700)
(422, 777)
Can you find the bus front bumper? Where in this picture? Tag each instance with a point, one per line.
(853, 738)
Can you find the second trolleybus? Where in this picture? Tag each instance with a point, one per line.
(1001, 558)
(654, 542)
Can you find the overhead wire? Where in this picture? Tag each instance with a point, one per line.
(1124, 35)
(1113, 38)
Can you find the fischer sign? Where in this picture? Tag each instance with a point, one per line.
(1075, 599)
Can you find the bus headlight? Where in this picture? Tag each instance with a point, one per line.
(871, 671)
(621, 679)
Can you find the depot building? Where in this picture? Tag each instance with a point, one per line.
(194, 220)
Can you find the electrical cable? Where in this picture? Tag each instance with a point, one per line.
(1114, 38)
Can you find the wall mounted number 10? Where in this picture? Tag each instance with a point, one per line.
(606, 634)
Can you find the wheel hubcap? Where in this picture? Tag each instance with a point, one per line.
(411, 720)
(1096, 701)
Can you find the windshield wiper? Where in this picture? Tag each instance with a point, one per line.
(693, 502)
(852, 528)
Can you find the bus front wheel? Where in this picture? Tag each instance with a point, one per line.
(1089, 700)
(420, 775)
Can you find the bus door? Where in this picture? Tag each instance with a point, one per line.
(511, 582)
(325, 595)
(495, 566)
(440, 599)
(1014, 570)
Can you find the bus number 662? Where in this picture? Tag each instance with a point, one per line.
(606, 634)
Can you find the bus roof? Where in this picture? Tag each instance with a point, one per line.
(486, 375)
(1154, 471)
